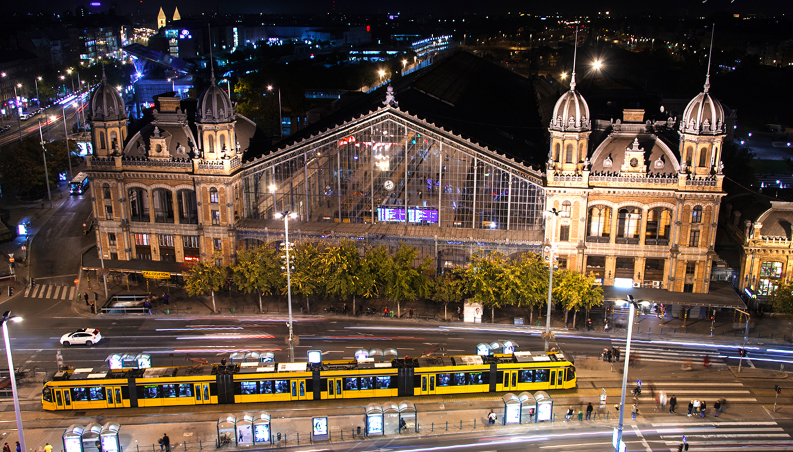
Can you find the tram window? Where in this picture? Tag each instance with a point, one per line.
(475, 378)
(302, 388)
(266, 387)
(309, 385)
(118, 395)
(514, 378)
(542, 376)
(526, 376)
(459, 379)
(330, 388)
(367, 383)
(248, 387)
(80, 394)
(351, 384)
(58, 398)
(570, 374)
(424, 383)
(169, 391)
(338, 387)
(383, 382)
(67, 397)
(444, 379)
(47, 394)
(323, 385)
(150, 392)
(560, 377)
(294, 389)
(96, 393)
(206, 392)
(186, 390)
(282, 386)
(417, 381)
(499, 377)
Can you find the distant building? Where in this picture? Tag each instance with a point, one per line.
(161, 20)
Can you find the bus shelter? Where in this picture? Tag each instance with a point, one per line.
(511, 409)
(408, 416)
(261, 428)
(390, 418)
(544, 406)
(73, 438)
(237, 357)
(483, 349)
(508, 347)
(528, 407)
(108, 437)
(226, 429)
(244, 431)
(374, 420)
(91, 435)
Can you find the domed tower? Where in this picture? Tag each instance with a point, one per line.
(108, 119)
(215, 121)
(570, 128)
(702, 132)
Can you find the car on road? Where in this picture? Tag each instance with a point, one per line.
(83, 336)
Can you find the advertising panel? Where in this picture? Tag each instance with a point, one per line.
(513, 414)
(544, 411)
(261, 433)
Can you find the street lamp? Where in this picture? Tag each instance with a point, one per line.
(51, 119)
(19, 110)
(280, 111)
(633, 306)
(44, 153)
(63, 81)
(36, 81)
(6, 317)
(66, 139)
(287, 215)
(552, 215)
(597, 65)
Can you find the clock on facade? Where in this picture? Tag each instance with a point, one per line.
(634, 162)
(389, 185)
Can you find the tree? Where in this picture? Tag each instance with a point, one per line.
(258, 270)
(575, 291)
(782, 299)
(374, 266)
(341, 271)
(529, 277)
(484, 278)
(307, 275)
(205, 277)
(404, 282)
(23, 166)
(448, 288)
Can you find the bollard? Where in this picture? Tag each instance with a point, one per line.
(447, 426)
(432, 427)
(298, 438)
(200, 447)
(474, 423)
(137, 449)
(185, 446)
(341, 432)
(461, 424)
(153, 449)
(650, 331)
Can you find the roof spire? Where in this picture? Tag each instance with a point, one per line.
(104, 77)
(710, 54)
(575, 55)
(211, 66)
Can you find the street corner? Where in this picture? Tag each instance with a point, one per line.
(784, 412)
(754, 373)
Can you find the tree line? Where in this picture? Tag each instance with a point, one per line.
(320, 270)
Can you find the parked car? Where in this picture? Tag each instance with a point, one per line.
(83, 336)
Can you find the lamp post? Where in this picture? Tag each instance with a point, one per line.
(19, 110)
(63, 84)
(101, 260)
(633, 307)
(44, 153)
(36, 81)
(6, 317)
(66, 138)
(69, 71)
(552, 214)
(280, 111)
(52, 120)
(287, 215)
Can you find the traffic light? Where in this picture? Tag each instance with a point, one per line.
(777, 389)
(32, 282)
(742, 352)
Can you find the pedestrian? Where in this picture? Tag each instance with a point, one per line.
(85, 296)
(6, 448)
(606, 327)
(166, 442)
(702, 408)
(589, 324)
(634, 411)
(19, 448)
(491, 418)
(589, 411)
(663, 400)
(697, 404)
(344, 309)
(47, 448)
(147, 306)
(569, 414)
(410, 313)
(672, 403)
(385, 312)
(459, 314)
(223, 362)
(79, 297)
(723, 405)
(96, 298)
(605, 353)
(617, 354)
(690, 408)
(165, 298)
(716, 408)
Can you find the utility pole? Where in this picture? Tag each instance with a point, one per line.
(44, 153)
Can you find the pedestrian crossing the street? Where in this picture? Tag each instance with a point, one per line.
(691, 356)
(723, 436)
(731, 392)
(52, 292)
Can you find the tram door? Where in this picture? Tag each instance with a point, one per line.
(201, 393)
(298, 390)
(63, 398)
(557, 379)
(335, 388)
(510, 379)
(114, 397)
(427, 384)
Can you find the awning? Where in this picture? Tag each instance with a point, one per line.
(721, 295)
(91, 262)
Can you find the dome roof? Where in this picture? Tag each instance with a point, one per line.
(214, 106)
(106, 103)
(704, 115)
(571, 111)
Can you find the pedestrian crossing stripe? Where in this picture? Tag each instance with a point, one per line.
(711, 424)
(51, 291)
(689, 432)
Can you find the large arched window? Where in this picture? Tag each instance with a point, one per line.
(567, 207)
(659, 225)
(106, 191)
(188, 209)
(163, 205)
(569, 154)
(557, 154)
(696, 214)
(628, 224)
(138, 204)
(102, 140)
(689, 155)
(703, 157)
(211, 142)
(599, 225)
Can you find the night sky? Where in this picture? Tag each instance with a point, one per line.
(690, 8)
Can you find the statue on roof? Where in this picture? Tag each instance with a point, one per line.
(390, 100)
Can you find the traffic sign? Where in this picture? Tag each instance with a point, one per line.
(639, 383)
(685, 440)
(10, 259)
(76, 281)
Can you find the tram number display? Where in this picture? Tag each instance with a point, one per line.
(320, 426)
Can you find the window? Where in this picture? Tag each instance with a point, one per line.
(629, 220)
(213, 195)
(190, 241)
(771, 269)
(693, 240)
(166, 240)
(561, 262)
(108, 212)
(218, 244)
(215, 217)
(106, 191)
(690, 268)
(564, 233)
(770, 276)
(139, 204)
(567, 207)
(696, 214)
(186, 390)
(703, 157)
(599, 221)
(141, 239)
(111, 238)
(170, 391)
(569, 154)
(163, 205)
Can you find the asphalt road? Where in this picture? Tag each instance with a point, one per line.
(51, 129)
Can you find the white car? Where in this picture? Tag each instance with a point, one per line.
(83, 336)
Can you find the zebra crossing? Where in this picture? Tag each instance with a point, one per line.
(53, 292)
(723, 436)
(731, 392)
(667, 354)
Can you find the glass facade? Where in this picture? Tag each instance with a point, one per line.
(388, 170)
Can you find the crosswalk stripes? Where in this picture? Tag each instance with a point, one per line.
(54, 292)
(724, 436)
(654, 353)
(731, 392)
